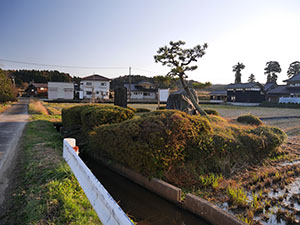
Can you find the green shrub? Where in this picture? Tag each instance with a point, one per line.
(212, 112)
(71, 117)
(99, 115)
(150, 144)
(249, 119)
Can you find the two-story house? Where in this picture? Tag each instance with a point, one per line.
(245, 93)
(141, 90)
(94, 86)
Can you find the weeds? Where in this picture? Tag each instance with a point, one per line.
(210, 180)
(237, 196)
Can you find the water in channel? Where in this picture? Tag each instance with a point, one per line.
(141, 205)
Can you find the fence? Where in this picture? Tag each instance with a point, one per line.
(289, 100)
(108, 211)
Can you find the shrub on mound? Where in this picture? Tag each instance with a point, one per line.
(98, 115)
(212, 112)
(71, 117)
(171, 143)
(249, 119)
(150, 144)
(85, 117)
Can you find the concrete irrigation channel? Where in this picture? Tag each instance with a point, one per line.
(139, 203)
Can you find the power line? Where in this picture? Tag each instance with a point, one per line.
(75, 67)
(63, 66)
(146, 70)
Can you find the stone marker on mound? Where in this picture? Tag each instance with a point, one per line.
(179, 100)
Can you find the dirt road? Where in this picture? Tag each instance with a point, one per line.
(12, 123)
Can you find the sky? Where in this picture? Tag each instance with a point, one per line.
(107, 37)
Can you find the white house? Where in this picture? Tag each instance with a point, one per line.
(60, 90)
(94, 86)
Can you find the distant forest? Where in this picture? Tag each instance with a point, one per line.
(158, 81)
(23, 77)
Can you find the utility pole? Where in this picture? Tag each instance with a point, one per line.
(129, 94)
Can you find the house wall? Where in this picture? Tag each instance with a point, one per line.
(100, 89)
(149, 95)
(136, 95)
(60, 90)
(245, 96)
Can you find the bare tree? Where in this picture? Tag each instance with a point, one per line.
(179, 60)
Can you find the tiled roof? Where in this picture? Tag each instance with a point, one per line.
(39, 85)
(96, 77)
(219, 92)
(135, 87)
(269, 85)
(243, 85)
(280, 89)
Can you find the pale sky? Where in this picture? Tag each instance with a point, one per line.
(122, 33)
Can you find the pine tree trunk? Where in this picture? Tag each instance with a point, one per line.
(191, 96)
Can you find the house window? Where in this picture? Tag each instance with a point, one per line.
(147, 94)
(232, 98)
(97, 92)
(81, 83)
(88, 83)
(103, 84)
(41, 88)
(88, 93)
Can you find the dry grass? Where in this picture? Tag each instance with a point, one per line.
(36, 107)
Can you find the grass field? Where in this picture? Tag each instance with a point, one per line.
(45, 190)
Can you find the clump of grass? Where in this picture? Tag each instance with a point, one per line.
(250, 119)
(53, 111)
(210, 180)
(237, 196)
(36, 107)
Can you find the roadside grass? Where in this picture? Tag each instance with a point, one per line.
(46, 190)
(4, 106)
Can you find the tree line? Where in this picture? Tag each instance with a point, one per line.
(159, 82)
(7, 90)
(271, 70)
(23, 77)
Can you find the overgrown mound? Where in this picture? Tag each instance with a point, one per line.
(179, 147)
(249, 119)
(150, 144)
